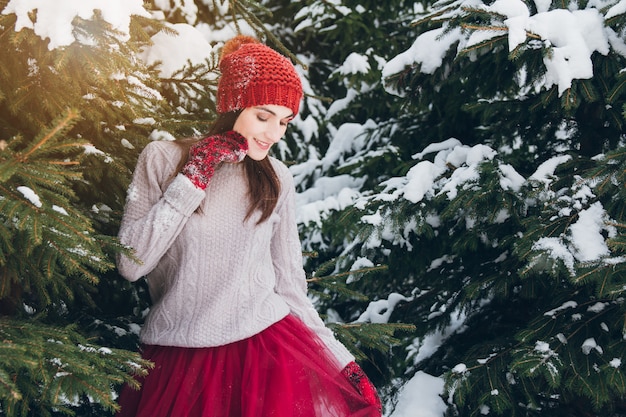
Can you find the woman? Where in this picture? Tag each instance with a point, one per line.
(231, 331)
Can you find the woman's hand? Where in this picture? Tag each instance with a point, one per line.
(206, 154)
(361, 382)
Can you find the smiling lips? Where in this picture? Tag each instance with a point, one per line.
(263, 145)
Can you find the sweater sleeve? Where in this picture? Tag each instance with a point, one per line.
(291, 279)
(156, 209)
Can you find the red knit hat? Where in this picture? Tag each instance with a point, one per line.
(254, 74)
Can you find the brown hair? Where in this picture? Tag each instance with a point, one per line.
(263, 183)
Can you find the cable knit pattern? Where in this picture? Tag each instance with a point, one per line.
(213, 278)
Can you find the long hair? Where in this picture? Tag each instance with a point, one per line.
(263, 183)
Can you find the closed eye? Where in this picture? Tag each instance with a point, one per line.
(265, 114)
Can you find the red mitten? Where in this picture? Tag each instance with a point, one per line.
(206, 154)
(361, 382)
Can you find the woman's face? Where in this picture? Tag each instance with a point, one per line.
(262, 126)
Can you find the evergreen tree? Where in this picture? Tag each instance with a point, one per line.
(489, 188)
(77, 104)
(342, 144)
(541, 297)
(66, 114)
(496, 201)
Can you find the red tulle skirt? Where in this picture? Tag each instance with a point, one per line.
(284, 371)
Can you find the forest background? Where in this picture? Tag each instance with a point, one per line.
(460, 168)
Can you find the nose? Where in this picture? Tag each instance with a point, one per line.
(275, 132)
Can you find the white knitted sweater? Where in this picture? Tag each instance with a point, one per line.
(213, 278)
